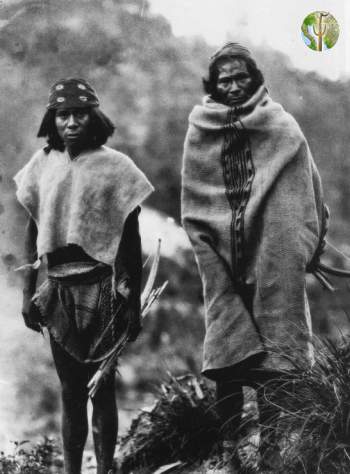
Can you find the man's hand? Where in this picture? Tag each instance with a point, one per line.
(30, 313)
(124, 292)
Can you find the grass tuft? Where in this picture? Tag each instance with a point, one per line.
(315, 422)
(182, 425)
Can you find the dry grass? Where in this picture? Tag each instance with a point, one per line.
(313, 429)
(182, 425)
(315, 422)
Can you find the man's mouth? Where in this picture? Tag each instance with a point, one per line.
(72, 135)
(236, 99)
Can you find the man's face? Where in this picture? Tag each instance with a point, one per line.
(234, 83)
(72, 126)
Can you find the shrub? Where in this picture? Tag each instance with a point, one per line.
(34, 461)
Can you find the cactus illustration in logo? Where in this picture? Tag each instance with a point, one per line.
(320, 31)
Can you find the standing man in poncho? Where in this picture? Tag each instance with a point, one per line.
(83, 200)
(253, 209)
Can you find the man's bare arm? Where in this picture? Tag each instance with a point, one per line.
(29, 311)
(30, 254)
(131, 259)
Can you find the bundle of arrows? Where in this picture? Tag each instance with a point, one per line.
(148, 297)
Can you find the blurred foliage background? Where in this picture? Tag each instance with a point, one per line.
(148, 80)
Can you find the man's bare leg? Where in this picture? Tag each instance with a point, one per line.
(268, 415)
(105, 425)
(229, 405)
(74, 429)
(73, 377)
(229, 399)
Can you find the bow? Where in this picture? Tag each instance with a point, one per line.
(148, 297)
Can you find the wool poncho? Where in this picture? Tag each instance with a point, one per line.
(84, 201)
(253, 209)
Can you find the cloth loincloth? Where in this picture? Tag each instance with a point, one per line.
(77, 305)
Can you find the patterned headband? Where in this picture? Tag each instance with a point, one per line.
(72, 93)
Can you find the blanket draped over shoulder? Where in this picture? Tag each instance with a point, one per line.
(252, 206)
(84, 201)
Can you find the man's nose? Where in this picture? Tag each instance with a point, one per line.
(72, 121)
(234, 87)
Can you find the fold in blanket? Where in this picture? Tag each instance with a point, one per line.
(252, 206)
(84, 201)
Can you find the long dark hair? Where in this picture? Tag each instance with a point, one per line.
(210, 83)
(100, 128)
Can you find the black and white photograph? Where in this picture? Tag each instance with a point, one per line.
(174, 237)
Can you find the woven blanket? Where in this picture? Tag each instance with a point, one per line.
(253, 209)
(84, 201)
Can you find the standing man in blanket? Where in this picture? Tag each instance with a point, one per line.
(82, 200)
(253, 209)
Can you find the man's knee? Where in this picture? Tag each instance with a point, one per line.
(74, 394)
(106, 392)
